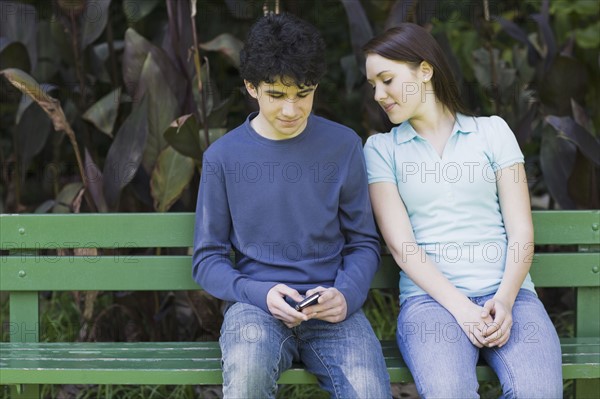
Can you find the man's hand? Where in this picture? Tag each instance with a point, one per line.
(331, 307)
(280, 309)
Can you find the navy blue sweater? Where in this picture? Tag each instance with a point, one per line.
(295, 211)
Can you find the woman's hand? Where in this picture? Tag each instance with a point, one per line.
(474, 320)
(498, 332)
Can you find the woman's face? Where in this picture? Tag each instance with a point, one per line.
(398, 87)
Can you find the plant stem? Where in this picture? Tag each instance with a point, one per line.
(203, 113)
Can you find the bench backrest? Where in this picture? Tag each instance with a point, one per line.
(126, 252)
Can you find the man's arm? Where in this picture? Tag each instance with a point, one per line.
(212, 267)
(361, 250)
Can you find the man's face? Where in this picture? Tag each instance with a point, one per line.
(283, 110)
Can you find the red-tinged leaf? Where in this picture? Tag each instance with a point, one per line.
(585, 141)
(95, 182)
(581, 116)
(170, 177)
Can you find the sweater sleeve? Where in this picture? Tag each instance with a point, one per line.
(212, 267)
(361, 249)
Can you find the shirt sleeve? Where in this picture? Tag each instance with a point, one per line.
(361, 249)
(379, 159)
(212, 267)
(503, 145)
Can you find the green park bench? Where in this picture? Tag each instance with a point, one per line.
(26, 270)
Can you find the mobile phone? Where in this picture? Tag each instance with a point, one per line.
(306, 302)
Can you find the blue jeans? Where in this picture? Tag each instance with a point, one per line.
(345, 357)
(442, 360)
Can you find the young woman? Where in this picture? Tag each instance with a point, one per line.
(451, 200)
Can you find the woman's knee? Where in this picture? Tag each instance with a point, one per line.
(453, 387)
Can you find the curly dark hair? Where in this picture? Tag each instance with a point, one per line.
(285, 47)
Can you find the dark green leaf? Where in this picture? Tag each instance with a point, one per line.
(134, 57)
(227, 44)
(360, 29)
(32, 133)
(504, 76)
(136, 10)
(399, 13)
(350, 69)
(184, 135)
(241, 9)
(125, 153)
(48, 56)
(93, 20)
(18, 23)
(13, 55)
(170, 177)
(103, 113)
(66, 197)
(162, 109)
(566, 79)
(557, 159)
(588, 38)
(218, 115)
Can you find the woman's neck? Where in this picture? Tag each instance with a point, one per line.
(434, 120)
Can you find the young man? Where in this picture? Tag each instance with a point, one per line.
(287, 191)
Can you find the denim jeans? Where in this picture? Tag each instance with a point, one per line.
(442, 360)
(345, 357)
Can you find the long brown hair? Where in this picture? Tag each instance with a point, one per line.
(412, 44)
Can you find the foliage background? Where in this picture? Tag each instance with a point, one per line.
(106, 106)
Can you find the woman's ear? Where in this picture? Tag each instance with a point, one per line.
(251, 89)
(426, 71)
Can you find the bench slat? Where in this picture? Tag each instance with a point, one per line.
(199, 363)
(97, 230)
(141, 230)
(174, 272)
(566, 227)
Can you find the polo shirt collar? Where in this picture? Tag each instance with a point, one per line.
(405, 132)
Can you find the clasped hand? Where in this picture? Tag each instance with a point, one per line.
(486, 326)
(331, 307)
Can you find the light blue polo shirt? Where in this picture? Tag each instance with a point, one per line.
(452, 201)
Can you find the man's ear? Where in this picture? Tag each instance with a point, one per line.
(251, 89)
(426, 71)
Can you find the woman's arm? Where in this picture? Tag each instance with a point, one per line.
(394, 224)
(516, 212)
